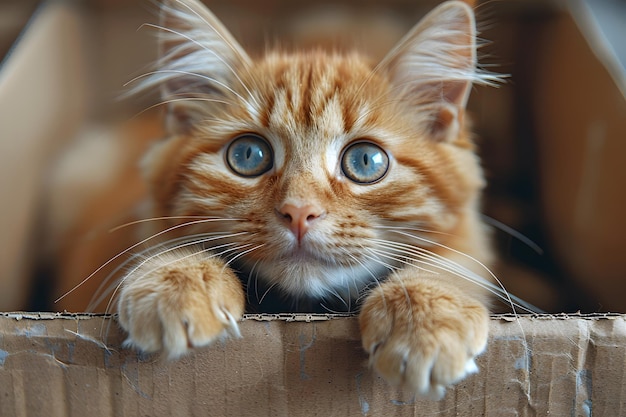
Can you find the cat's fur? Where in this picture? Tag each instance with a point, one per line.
(408, 248)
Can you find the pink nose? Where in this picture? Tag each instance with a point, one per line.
(300, 218)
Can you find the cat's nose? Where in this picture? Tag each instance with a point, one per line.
(300, 218)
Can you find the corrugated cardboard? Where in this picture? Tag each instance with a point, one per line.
(73, 365)
(301, 365)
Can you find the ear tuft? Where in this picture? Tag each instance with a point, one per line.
(198, 66)
(434, 66)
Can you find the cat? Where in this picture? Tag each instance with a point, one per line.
(315, 180)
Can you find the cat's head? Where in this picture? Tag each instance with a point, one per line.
(325, 171)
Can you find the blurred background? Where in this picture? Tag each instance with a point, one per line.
(552, 137)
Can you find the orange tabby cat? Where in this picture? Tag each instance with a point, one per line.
(315, 181)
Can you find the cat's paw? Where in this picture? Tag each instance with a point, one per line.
(180, 305)
(422, 335)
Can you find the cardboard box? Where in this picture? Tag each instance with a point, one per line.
(73, 364)
(42, 104)
(579, 106)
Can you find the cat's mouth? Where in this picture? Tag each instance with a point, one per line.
(308, 251)
(303, 252)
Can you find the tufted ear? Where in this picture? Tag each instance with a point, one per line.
(434, 66)
(198, 64)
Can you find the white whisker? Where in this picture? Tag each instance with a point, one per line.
(334, 293)
(191, 240)
(517, 235)
(212, 52)
(413, 229)
(392, 268)
(266, 292)
(226, 251)
(154, 219)
(498, 289)
(234, 48)
(193, 74)
(436, 261)
(361, 292)
(243, 253)
(176, 100)
(130, 248)
(390, 255)
(152, 257)
(249, 281)
(380, 262)
(445, 265)
(362, 265)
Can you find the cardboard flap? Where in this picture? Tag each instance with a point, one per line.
(43, 100)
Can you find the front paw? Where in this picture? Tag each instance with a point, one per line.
(423, 335)
(174, 305)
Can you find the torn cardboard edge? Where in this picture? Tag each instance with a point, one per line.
(303, 364)
(310, 317)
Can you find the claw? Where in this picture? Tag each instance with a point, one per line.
(231, 324)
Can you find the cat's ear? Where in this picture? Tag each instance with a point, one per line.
(434, 66)
(199, 63)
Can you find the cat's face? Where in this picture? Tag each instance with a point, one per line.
(326, 172)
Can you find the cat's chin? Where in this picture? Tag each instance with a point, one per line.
(309, 277)
(303, 254)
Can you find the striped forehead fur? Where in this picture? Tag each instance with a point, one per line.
(203, 65)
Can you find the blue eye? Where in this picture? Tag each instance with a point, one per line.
(249, 156)
(364, 162)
